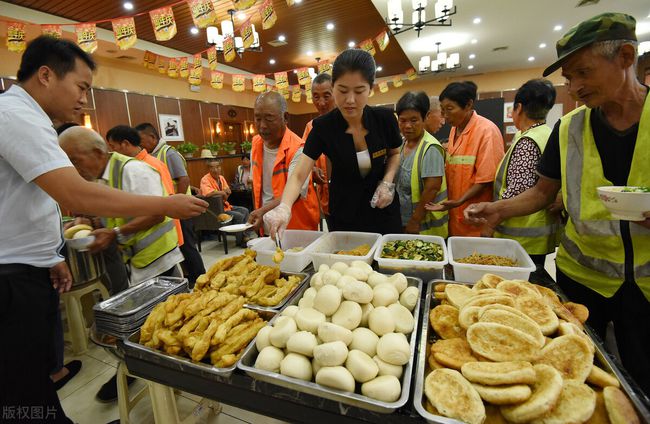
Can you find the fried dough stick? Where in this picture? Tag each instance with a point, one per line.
(237, 339)
(154, 319)
(203, 343)
(267, 276)
(177, 314)
(199, 303)
(219, 301)
(242, 315)
(280, 293)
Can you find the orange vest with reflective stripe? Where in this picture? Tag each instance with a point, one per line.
(323, 190)
(305, 213)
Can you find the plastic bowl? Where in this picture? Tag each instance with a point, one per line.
(627, 206)
(80, 244)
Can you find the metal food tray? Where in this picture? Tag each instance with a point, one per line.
(604, 361)
(291, 295)
(247, 364)
(131, 347)
(137, 299)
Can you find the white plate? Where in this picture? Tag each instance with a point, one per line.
(235, 228)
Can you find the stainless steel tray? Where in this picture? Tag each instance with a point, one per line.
(132, 347)
(141, 297)
(247, 362)
(303, 283)
(425, 334)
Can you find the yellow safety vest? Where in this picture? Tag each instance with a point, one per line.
(434, 223)
(144, 247)
(591, 251)
(535, 232)
(161, 155)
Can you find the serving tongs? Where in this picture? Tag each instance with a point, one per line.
(278, 243)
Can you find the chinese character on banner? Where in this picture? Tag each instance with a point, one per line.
(163, 23)
(183, 68)
(202, 12)
(151, 64)
(368, 46)
(303, 76)
(259, 83)
(124, 30)
(161, 66)
(285, 93)
(246, 32)
(382, 40)
(281, 80)
(87, 37)
(172, 68)
(212, 58)
(216, 80)
(229, 48)
(52, 31)
(238, 83)
(295, 94)
(383, 86)
(16, 37)
(308, 97)
(411, 74)
(397, 81)
(325, 67)
(147, 58)
(268, 14)
(243, 4)
(197, 70)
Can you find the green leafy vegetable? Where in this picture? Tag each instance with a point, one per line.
(412, 250)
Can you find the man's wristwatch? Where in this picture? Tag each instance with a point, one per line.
(118, 234)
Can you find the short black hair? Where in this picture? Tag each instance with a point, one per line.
(537, 97)
(65, 126)
(322, 78)
(124, 132)
(353, 60)
(148, 128)
(58, 55)
(417, 101)
(460, 92)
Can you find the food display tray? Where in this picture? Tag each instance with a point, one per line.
(428, 335)
(426, 270)
(293, 261)
(247, 364)
(322, 252)
(303, 283)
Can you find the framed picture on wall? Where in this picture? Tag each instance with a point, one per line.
(171, 127)
(507, 111)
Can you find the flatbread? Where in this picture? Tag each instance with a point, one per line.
(619, 408)
(489, 299)
(570, 328)
(546, 392)
(601, 378)
(549, 295)
(600, 412)
(538, 309)
(499, 373)
(454, 397)
(500, 343)
(444, 320)
(458, 294)
(488, 281)
(507, 318)
(570, 355)
(493, 415)
(468, 316)
(518, 288)
(578, 310)
(503, 395)
(576, 404)
(452, 353)
(440, 287)
(433, 364)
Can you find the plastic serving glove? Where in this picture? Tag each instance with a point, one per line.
(383, 195)
(277, 219)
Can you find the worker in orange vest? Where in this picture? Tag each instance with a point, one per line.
(274, 155)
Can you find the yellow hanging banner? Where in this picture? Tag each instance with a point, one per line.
(411, 74)
(163, 23)
(243, 4)
(238, 83)
(202, 12)
(309, 97)
(183, 68)
(291, 2)
(87, 37)
(212, 58)
(124, 31)
(372, 92)
(229, 48)
(161, 66)
(303, 76)
(269, 17)
(16, 37)
(246, 33)
(197, 70)
(172, 68)
(382, 40)
(216, 80)
(325, 67)
(295, 94)
(281, 80)
(259, 83)
(52, 31)
(368, 46)
(383, 86)
(397, 81)
(148, 58)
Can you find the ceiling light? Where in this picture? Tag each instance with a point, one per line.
(531, 58)
(329, 26)
(310, 53)
(282, 38)
(474, 41)
(272, 61)
(472, 56)
(542, 46)
(295, 71)
(194, 30)
(298, 1)
(379, 69)
(470, 67)
(128, 5)
(477, 20)
(241, 16)
(351, 44)
(557, 28)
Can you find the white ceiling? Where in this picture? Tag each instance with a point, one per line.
(521, 25)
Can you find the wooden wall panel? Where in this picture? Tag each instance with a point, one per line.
(110, 107)
(297, 123)
(192, 125)
(229, 113)
(208, 110)
(142, 109)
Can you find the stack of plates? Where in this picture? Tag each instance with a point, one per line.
(124, 313)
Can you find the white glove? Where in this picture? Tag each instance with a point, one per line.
(383, 195)
(277, 219)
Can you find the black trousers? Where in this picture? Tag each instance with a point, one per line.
(629, 310)
(28, 310)
(193, 261)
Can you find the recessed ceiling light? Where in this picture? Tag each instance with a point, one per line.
(194, 30)
(128, 5)
(379, 69)
(272, 61)
(351, 44)
(298, 1)
(241, 16)
(531, 58)
(329, 26)
(542, 45)
(474, 41)
(282, 38)
(472, 56)
(310, 53)
(557, 28)
(477, 20)
(470, 67)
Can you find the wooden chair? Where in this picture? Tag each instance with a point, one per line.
(208, 221)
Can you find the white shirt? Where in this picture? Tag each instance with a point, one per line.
(363, 159)
(140, 178)
(30, 220)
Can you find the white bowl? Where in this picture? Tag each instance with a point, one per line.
(627, 206)
(80, 244)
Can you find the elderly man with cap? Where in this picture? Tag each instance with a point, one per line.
(602, 262)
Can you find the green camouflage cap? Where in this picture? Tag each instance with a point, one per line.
(607, 26)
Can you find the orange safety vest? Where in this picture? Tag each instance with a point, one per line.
(323, 190)
(305, 213)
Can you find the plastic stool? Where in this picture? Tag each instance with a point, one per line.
(165, 411)
(124, 403)
(77, 329)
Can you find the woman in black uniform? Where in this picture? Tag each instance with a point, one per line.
(362, 143)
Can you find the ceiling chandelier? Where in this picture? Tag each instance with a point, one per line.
(443, 62)
(228, 29)
(443, 9)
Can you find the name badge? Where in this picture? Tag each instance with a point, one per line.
(379, 153)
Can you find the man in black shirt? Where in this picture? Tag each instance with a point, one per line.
(602, 262)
